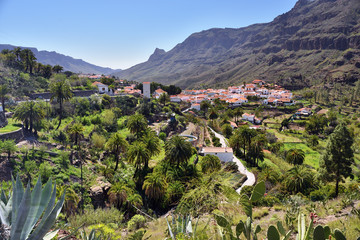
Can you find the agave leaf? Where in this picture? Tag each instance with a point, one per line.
(46, 223)
(50, 235)
(23, 212)
(18, 191)
(3, 197)
(189, 226)
(196, 224)
(170, 232)
(51, 203)
(5, 211)
(35, 204)
(258, 192)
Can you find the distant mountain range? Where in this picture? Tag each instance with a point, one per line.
(316, 41)
(68, 63)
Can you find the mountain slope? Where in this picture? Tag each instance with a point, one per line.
(316, 40)
(68, 63)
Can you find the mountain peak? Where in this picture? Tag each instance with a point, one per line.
(158, 53)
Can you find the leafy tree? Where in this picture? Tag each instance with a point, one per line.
(61, 91)
(164, 98)
(178, 150)
(313, 140)
(106, 101)
(339, 155)
(4, 90)
(213, 114)
(137, 124)
(295, 156)
(116, 145)
(210, 163)
(204, 106)
(227, 130)
(316, 124)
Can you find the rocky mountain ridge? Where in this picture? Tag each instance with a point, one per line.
(316, 40)
(67, 62)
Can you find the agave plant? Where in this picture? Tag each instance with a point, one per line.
(22, 209)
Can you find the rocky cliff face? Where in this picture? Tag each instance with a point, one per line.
(310, 40)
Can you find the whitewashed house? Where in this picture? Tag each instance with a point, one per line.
(195, 106)
(103, 88)
(224, 154)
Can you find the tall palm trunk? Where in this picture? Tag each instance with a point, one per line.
(60, 115)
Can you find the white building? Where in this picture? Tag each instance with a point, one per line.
(103, 88)
(146, 89)
(195, 106)
(224, 154)
(158, 92)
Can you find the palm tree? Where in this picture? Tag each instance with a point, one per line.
(118, 194)
(299, 179)
(295, 156)
(137, 124)
(178, 150)
(138, 155)
(238, 112)
(76, 132)
(30, 113)
(8, 147)
(210, 163)
(28, 58)
(57, 68)
(71, 202)
(155, 186)
(61, 91)
(116, 145)
(4, 90)
(152, 143)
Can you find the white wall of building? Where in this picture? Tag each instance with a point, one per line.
(146, 90)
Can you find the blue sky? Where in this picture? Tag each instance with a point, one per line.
(122, 33)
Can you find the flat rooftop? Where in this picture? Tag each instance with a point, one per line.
(216, 150)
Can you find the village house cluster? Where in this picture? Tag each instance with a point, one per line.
(237, 95)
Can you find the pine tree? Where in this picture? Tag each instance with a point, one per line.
(339, 155)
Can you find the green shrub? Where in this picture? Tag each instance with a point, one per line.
(98, 216)
(136, 222)
(45, 171)
(98, 140)
(162, 136)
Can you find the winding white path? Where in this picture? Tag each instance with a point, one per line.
(250, 181)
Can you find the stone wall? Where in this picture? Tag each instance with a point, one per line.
(17, 135)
